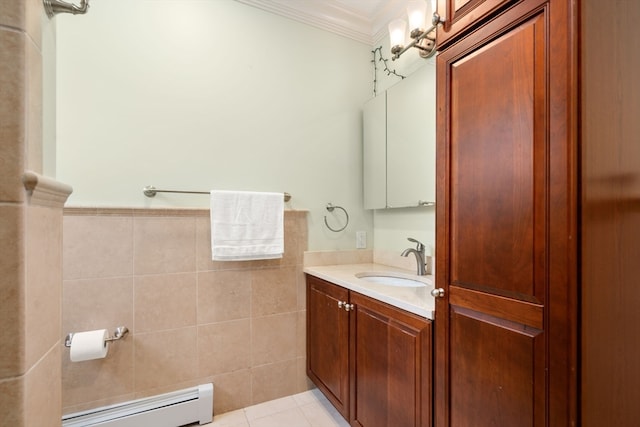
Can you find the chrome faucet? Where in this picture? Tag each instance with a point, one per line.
(420, 256)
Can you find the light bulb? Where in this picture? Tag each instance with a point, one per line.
(397, 30)
(416, 10)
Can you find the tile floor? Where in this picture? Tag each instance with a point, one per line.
(308, 409)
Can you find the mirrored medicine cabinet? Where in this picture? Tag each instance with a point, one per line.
(399, 132)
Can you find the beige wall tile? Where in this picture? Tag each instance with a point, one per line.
(164, 358)
(43, 405)
(274, 291)
(166, 301)
(223, 295)
(232, 391)
(91, 304)
(12, 111)
(273, 338)
(303, 381)
(34, 13)
(12, 278)
(224, 347)
(12, 402)
(12, 13)
(97, 246)
(301, 350)
(43, 287)
(98, 379)
(194, 320)
(359, 256)
(301, 281)
(272, 381)
(164, 245)
(33, 71)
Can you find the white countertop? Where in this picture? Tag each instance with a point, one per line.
(416, 300)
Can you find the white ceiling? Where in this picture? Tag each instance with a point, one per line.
(362, 20)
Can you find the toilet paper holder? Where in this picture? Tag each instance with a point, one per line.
(119, 333)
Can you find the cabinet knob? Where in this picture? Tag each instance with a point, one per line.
(341, 304)
(437, 293)
(348, 307)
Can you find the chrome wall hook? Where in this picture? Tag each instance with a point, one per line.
(330, 208)
(53, 7)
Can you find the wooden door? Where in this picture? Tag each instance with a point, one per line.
(390, 366)
(501, 183)
(328, 341)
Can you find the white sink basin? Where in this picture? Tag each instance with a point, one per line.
(390, 280)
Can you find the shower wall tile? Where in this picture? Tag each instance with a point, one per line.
(90, 304)
(166, 301)
(12, 14)
(192, 320)
(223, 296)
(43, 407)
(273, 291)
(164, 245)
(166, 357)
(97, 246)
(12, 108)
(34, 102)
(12, 304)
(34, 14)
(224, 347)
(12, 402)
(43, 284)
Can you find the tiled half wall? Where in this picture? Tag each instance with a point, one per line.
(240, 325)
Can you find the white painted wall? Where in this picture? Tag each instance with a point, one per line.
(211, 94)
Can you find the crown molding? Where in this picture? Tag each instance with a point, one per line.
(336, 17)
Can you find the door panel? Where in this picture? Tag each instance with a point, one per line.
(489, 385)
(495, 167)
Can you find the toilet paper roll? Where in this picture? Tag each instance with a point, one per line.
(89, 345)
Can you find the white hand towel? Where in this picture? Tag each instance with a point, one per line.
(246, 225)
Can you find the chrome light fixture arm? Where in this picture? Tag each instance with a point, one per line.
(424, 41)
(53, 7)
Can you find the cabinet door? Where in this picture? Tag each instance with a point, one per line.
(411, 137)
(391, 366)
(374, 152)
(497, 200)
(328, 341)
(461, 15)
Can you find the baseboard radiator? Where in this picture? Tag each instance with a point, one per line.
(173, 409)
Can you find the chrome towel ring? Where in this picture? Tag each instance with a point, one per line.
(330, 208)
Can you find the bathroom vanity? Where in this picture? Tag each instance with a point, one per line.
(370, 357)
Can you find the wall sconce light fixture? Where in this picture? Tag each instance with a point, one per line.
(424, 39)
(53, 7)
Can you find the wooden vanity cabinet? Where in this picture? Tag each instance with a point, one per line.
(328, 341)
(462, 15)
(371, 360)
(390, 352)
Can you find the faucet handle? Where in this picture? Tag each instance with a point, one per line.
(419, 245)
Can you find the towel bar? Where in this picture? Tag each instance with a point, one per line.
(150, 191)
